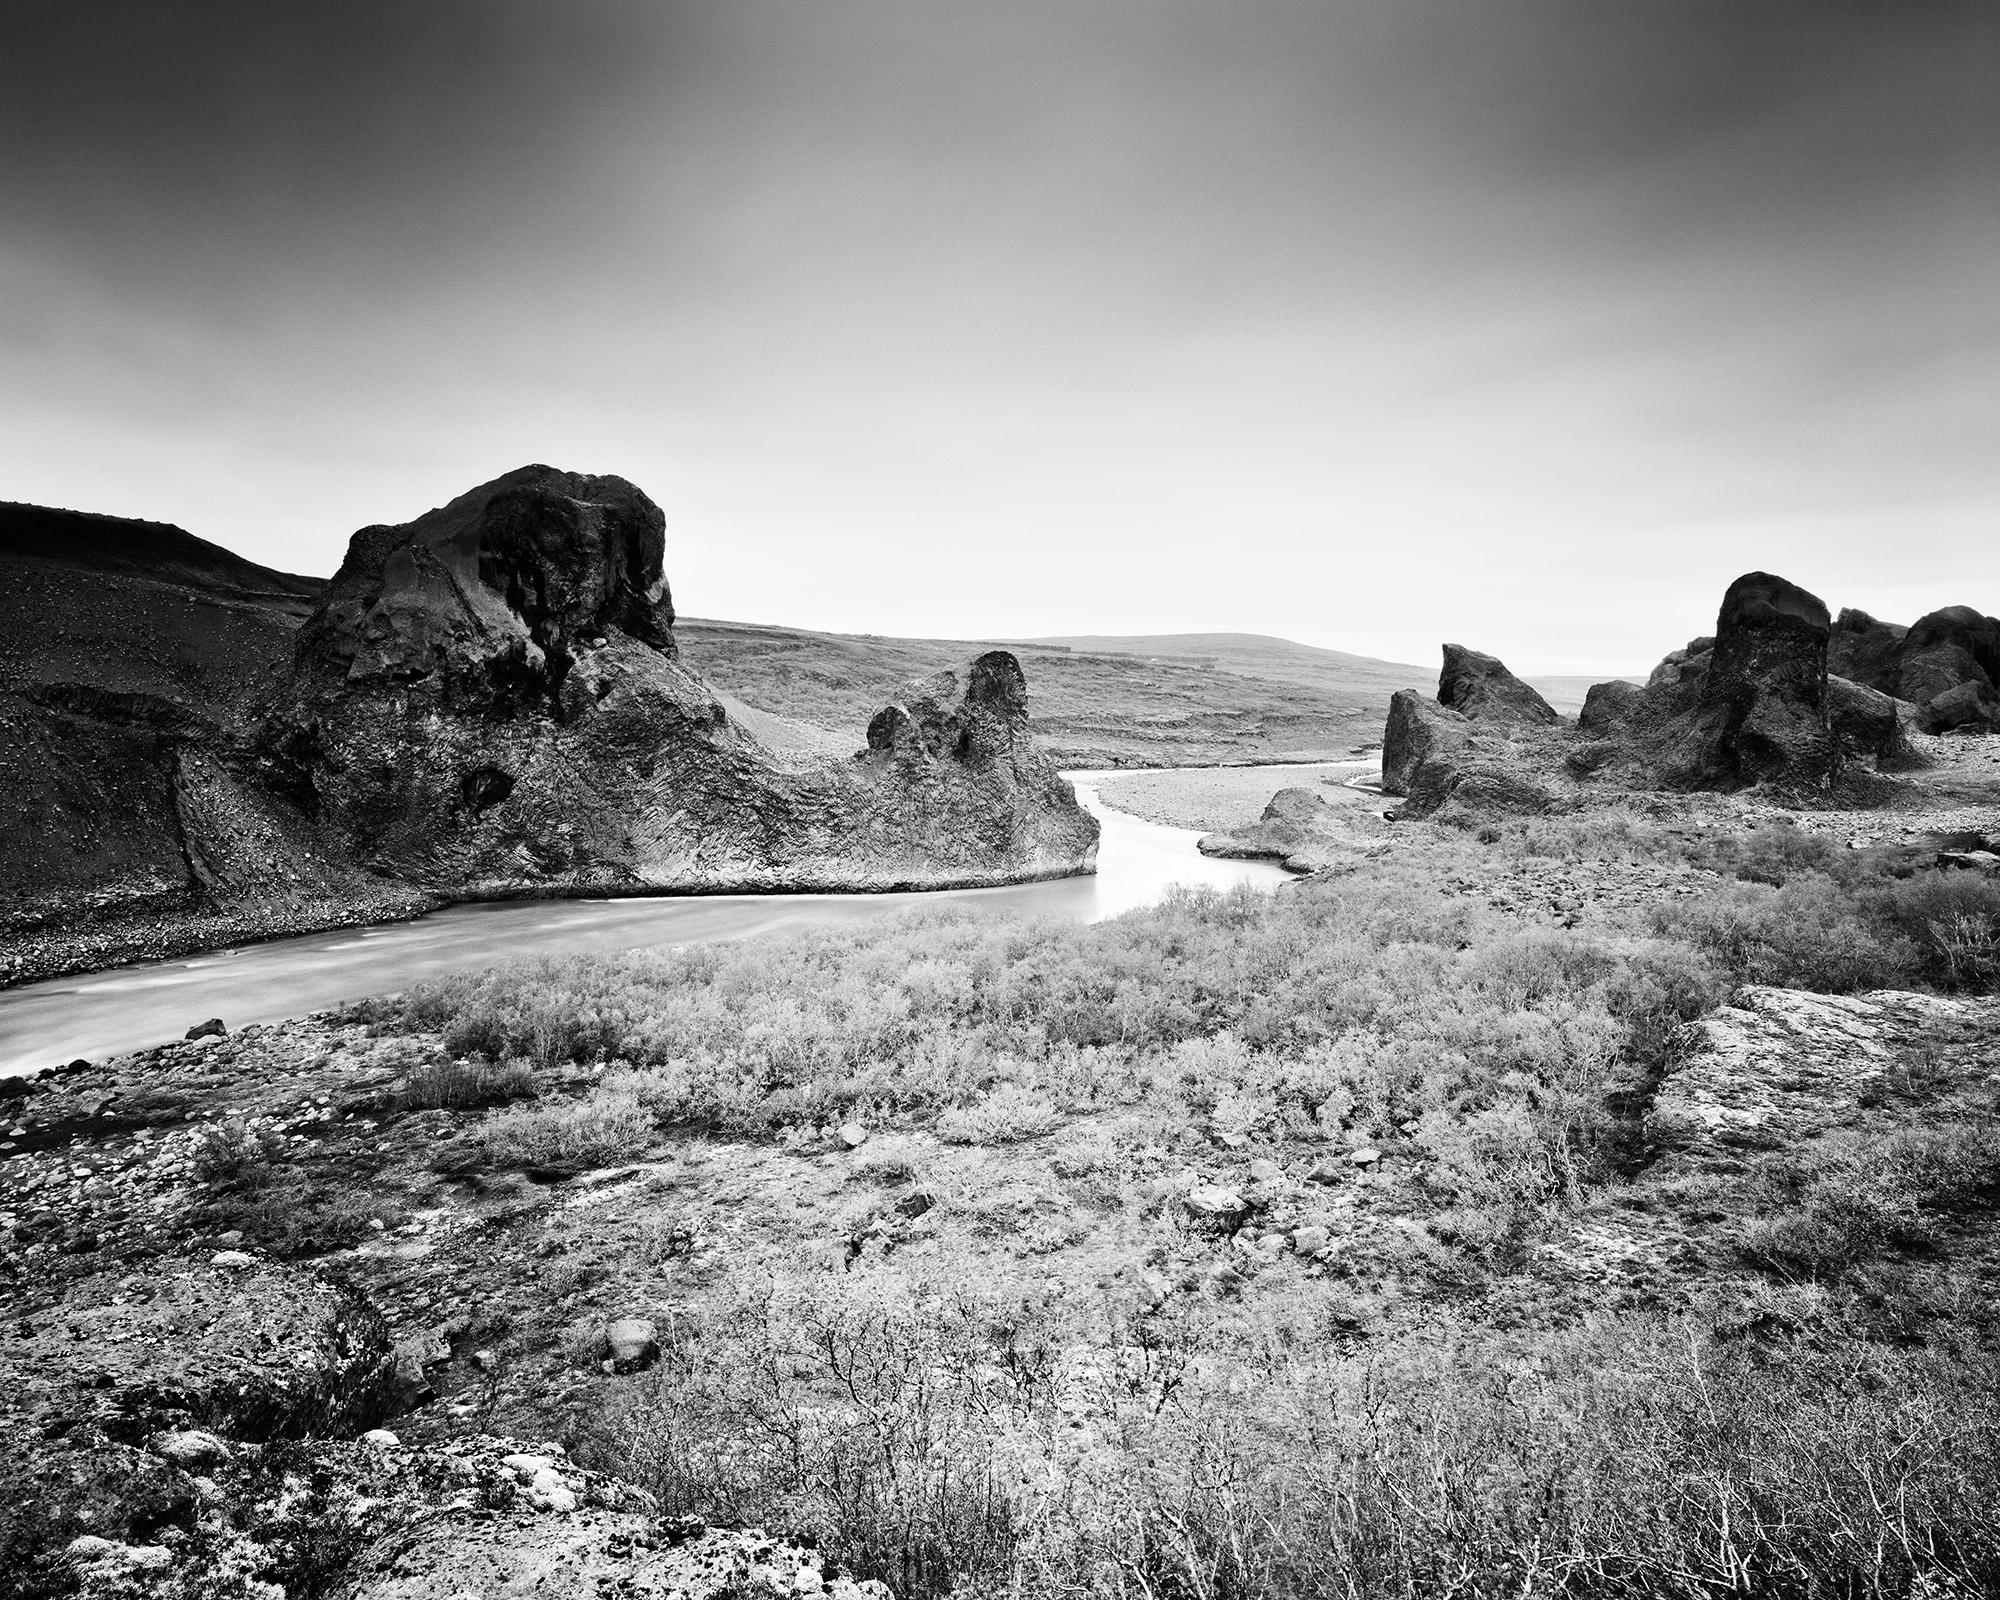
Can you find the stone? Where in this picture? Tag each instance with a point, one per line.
(1607, 706)
(1945, 651)
(233, 1258)
(852, 1135)
(1973, 707)
(381, 1439)
(633, 1343)
(1871, 726)
(1310, 1240)
(1292, 822)
(1264, 1170)
(1759, 712)
(211, 1029)
(1865, 651)
(1479, 687)
(1366, 1156)
(1213, 1201)
(190, 1448)
(1418, 732)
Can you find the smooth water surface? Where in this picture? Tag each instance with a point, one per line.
(129, 1008)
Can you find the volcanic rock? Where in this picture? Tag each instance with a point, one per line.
(1872, 726)
(1292, 822)
(1759, 713)
(1480, 687)
(1865, 651)
(1608, 706)
(1945, 655)
(489, 702)
(1419, 731)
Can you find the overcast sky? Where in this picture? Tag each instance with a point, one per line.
(1523, 324)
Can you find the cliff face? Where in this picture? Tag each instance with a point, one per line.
(489, 701)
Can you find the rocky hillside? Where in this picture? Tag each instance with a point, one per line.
(488, 700)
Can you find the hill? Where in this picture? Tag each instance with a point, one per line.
(1099, 701)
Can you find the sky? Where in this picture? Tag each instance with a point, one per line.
(1526, 324)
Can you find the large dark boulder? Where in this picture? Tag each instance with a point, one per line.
(1607, 707)
(1419, 731)
(1872, 726)
(1942, 654)
(1432, 754)
(1760, 713)
(1480, 686)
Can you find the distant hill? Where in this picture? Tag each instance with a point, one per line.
(1100, 700)
(1566, 692)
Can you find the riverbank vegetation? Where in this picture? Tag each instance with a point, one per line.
(1230, 1249)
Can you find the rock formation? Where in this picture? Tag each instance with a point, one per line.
(1466, 743)
(1947, 665)
(196, 750)
(1751, 704)
(488, 702)
(1759, 712)
(1480, 687)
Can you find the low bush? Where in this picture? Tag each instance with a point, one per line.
(609, 1124)
(1851, 1199)
(947, 1441)
(465, 1086)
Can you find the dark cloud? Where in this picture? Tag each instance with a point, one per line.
(1528, 299)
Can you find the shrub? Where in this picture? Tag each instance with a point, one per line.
(238, 1154)
(928, 1438)
(1006, 1116)
(1854, 1198)
(462, 1085)
(607, 1125)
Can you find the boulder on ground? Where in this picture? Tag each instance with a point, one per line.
(1973, 707)
(1872, 726)
(1607, 706)
(1293, 821)
(1480, 687)
(1418, 731)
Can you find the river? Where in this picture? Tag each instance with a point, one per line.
(129, 1008)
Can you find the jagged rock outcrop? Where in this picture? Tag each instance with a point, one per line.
(1480, 687)
(489, 702)
(1751, 704)
(1760, 710)
(1418, 732)
(1431, 754)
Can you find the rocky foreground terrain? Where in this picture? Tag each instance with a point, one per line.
(486, 701)
(367, 1305)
